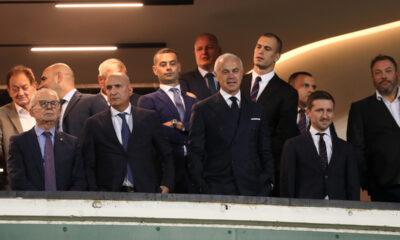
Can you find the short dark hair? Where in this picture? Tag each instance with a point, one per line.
(21, 69)
(293, 77)
(273, 35)
(165, 50)
(382, 57)
(317, 95)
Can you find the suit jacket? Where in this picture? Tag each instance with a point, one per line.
(302, 175)
(222, 152)
(26, 171)
(106, 160)
(100, 104)
(80, 107)
(195, 83)
(375, 135)
(9, 126)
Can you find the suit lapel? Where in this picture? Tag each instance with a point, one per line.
(14, 118)
(201, 84)
(224, 115)
(270, 89)
(244, 116)
(37, 155)
(188, 106)
(384, 110)
(246, 85)
(109, 129)
(315, 159)
(163, 97)
(74, 100)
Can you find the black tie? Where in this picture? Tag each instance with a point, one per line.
(235, 108)
(211, 83)
(125, 134)
(322, 151)
(302, 121)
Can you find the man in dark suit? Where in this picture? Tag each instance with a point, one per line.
(121, 145)
(174, 108)
(43, 158)
(229, 144)
(201, 82)
(278, 97)
(318, 164)
(15, 117)
(106, 68)
(304, 83)
(76, 107)
(374, 130)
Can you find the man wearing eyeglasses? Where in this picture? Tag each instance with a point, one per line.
(15, 117)
(44, 159)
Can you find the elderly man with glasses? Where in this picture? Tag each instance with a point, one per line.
(43, 158)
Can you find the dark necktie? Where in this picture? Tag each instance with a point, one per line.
(62, 102)
(254, 89)
(178, 103)
(322, 151)
(302, 121)
(211, 83)
(235, 108)
(49, 168)
(125, 134)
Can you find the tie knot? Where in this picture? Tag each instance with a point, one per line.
(122, 115)
(174, 90)
(321, 134)
(47, 134)
(210, 76)
(62, 101)
(233, 99)
(258, 79)
(302, 110)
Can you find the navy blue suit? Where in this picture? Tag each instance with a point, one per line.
(160, 102)
(106, 160)
(226, 157)
(25, 165)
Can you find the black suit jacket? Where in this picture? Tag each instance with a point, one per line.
(106, 160)
(26, 171)
(302, 175)
(376, 137)
(195, 83)
(222, 152)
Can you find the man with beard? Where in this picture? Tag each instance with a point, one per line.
(374, 130)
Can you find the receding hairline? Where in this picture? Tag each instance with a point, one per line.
(224, 57)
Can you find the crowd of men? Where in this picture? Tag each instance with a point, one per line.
(213, 130)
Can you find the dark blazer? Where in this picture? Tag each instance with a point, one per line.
(223, 153)
(195, 83)
(105, 158)
(302, 175)
(26, 171)
(375, 135)
(80, 107)
(100, 104)
(166, 110)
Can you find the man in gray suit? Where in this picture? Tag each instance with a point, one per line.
(15, 117)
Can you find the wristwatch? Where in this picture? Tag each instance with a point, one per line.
(174, 122)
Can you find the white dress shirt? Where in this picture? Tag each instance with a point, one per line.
(67, 99)
(327, 138)
(26, 120)
(393, 107)
(166, 89)
(227, 96)
(117, 123)
(263, 83)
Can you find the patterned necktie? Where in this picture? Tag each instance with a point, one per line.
(49, 168)
(125, 134)
(211, 83)
(254, 89)
(322, 151)
(235, 108)
(178, 103)
(302, 121)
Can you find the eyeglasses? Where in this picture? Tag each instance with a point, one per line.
(45, 104)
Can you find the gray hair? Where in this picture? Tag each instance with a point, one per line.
(111, 63)
(47, 91)
(225, 56)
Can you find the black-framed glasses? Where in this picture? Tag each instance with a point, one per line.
(45, 104)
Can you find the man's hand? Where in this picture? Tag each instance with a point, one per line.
(164, 189)
(179, 125)
(191, 94)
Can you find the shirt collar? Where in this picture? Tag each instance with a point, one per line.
(166, 88)
(379, 97)
(39, 131)
(226, 95)
(203, 72)
(314, 131)
(115, 112)
(265, 77)
(20, 110)
(69, 95)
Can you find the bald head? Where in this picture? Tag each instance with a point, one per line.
(58, 77)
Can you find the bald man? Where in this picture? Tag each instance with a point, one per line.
(202, 82)
(75, 106)
(120, 145)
